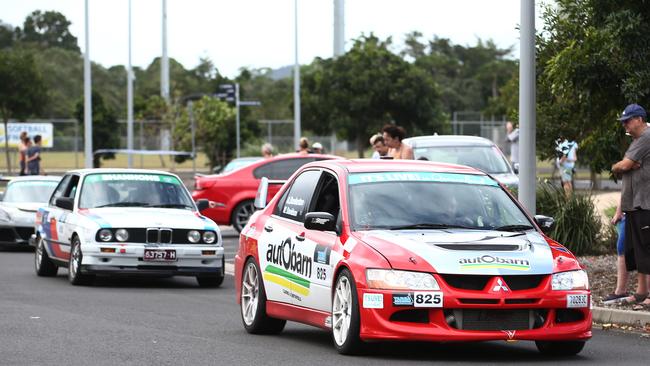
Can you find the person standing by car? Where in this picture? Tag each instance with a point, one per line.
(377, 143)
(317, 148)
(267, 150)
(566, 162)
(634, 169)
(393, 136)
(34, 157)
(303, 146)
(512, 136)
(23, 145)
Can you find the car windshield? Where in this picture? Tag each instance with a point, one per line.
(485, 158)
(427, 200)
(134, 190)
(30, 191)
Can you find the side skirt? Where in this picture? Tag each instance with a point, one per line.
(299, 314)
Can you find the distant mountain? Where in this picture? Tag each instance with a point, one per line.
(281, 73)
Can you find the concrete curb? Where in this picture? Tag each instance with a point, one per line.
(628, 317)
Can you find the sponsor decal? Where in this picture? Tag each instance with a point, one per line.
(322, 254)
(488, 261)
(289, 211)
(360, 178)
(373, 301)
(577, 301)
(402, 300)
(559, 248)
(428, 299)
(287, 280)
(288, 268)
(319, 221)
(93, 178)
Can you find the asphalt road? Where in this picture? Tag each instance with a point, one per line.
(127, 321)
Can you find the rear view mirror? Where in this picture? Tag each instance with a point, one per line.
(544, 222)
(202, 204)
(321, 221)
(262, 193)
(515, 168)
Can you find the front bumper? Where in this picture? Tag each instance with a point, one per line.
(16, 235)
(128, 259)
(550, 319)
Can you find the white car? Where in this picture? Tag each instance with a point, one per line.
(126, 221)
(18, 205)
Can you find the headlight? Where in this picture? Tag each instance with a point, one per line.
(571, 280)
(193, 236)
(4, 216)
(122, 235)
(209, 237)
(105, 235)
(387, 279)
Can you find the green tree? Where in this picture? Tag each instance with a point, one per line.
(593, 59)
(215, 128)
(6, 35)
(104, 127)
(48, 29)
(355, 94)
(22, 91)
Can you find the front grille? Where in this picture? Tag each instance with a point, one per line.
(25, 232)
(478, 282)
(490, 247)
(159, 236)
(483, 319)
(7, 234)
(479, 301)
(521, 301)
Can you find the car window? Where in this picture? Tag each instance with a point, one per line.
(297, 198)
(72, 187)
(327, 197)
(280, 169)
(486, 158)
(60, 189)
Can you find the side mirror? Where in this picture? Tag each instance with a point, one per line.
(65, 203)
(262, 193)
(515, 168)
(544, 222)
(216, 169)
(321, 221)
(202, 204)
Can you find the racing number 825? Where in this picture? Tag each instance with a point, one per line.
(428, 299)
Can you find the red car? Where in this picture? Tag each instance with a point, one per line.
(408, 250)
(233, 192)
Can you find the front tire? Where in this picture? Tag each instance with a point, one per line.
(214, 280)
(560, 348)
(253, 303)
(42, 263)
(345, 315)
(241, 214)
(74, 265)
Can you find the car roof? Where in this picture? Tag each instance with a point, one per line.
(53, 178)
(447, 140)
(118, 171)
(380, 165)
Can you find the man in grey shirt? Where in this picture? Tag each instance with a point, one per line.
(635, 198)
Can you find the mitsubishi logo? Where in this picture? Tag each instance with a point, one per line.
(500, 286)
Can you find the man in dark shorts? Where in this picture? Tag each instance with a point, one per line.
(635, 198)
(34, 157)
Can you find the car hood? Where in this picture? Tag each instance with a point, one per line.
(463, 251)
(136, 217)
(24, 206)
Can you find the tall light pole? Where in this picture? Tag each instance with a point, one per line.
(527, 122)
(164, 61)
(88, 119)
(339, 27)
(296, 84)
(129, 101)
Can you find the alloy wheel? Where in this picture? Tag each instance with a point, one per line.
(249, 294)
(341, 310)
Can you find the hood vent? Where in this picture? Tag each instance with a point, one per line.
(479, 247)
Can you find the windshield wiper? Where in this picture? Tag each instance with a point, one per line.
(513, 228)
(170, 205)
(123, 204)
(432, 226)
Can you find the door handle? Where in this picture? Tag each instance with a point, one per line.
(300, 237)
(268, 228)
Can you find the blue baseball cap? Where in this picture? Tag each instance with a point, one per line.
(632, 110)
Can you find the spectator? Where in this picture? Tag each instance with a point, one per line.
(267, 150)
(34, 157)
(377, 143)
(23, 145)
(393, 136)
(317, 148)
(566, 161)
(512, 136)
(303, 146)
(634, 169)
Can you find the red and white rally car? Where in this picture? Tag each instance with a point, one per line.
(408, 250)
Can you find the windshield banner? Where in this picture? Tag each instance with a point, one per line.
(361, 178)
(94, 178)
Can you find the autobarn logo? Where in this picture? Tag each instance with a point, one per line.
(285, 256)
(489, 261)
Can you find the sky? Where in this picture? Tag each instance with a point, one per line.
(260, 33)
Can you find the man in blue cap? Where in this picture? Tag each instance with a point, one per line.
(635, 199)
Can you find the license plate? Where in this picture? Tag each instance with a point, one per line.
(577, 301)
(159, 255)
(427, 299)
